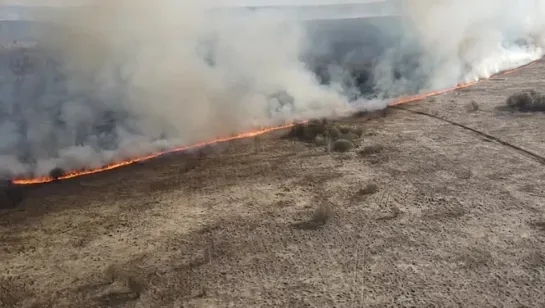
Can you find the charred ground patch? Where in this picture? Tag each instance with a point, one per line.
(11, 195)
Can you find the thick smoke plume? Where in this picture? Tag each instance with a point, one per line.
(475, 39)
(446, 42)
(133, 77)
(126, 78)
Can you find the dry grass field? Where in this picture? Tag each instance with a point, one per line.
(439, 204)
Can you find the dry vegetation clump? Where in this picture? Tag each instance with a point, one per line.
(307, 132)
(342, 145)
(473, 107)
(334, 133)
(369, 189)
(526, 101)
(320, 140)
(371, 150)
(358, 131)
(324, 133)
(375, 154)
(129, 285)
(394, 213)
(318, 219)
(344, 129)
(350, 136)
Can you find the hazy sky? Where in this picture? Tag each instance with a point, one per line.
(219, 2)
(289, 2)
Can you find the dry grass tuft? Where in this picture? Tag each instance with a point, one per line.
(358, 131)
(130, 279)
(341, 145)
(318, 219)
(350, 136)
(369, 189)
(345, 129)
(308, 132)
(394, 213)
(526, 101)
(473, 107)
(334, 133)
(320, 140)
(321, 132)
(371, 150)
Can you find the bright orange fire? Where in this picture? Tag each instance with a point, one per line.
(414, 98)
(404, 100)
(73, 174)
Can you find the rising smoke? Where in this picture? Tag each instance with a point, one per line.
(126, 78)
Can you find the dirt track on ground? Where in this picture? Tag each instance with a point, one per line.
(458, 220)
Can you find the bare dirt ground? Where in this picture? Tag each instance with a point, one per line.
(458, 220)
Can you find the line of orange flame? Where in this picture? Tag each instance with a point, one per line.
(399, 101)
(76, 173)
(413, 98)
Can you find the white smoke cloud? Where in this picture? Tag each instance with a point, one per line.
(475, 34)
(138, 77)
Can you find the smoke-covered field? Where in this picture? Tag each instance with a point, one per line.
(108, 81)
